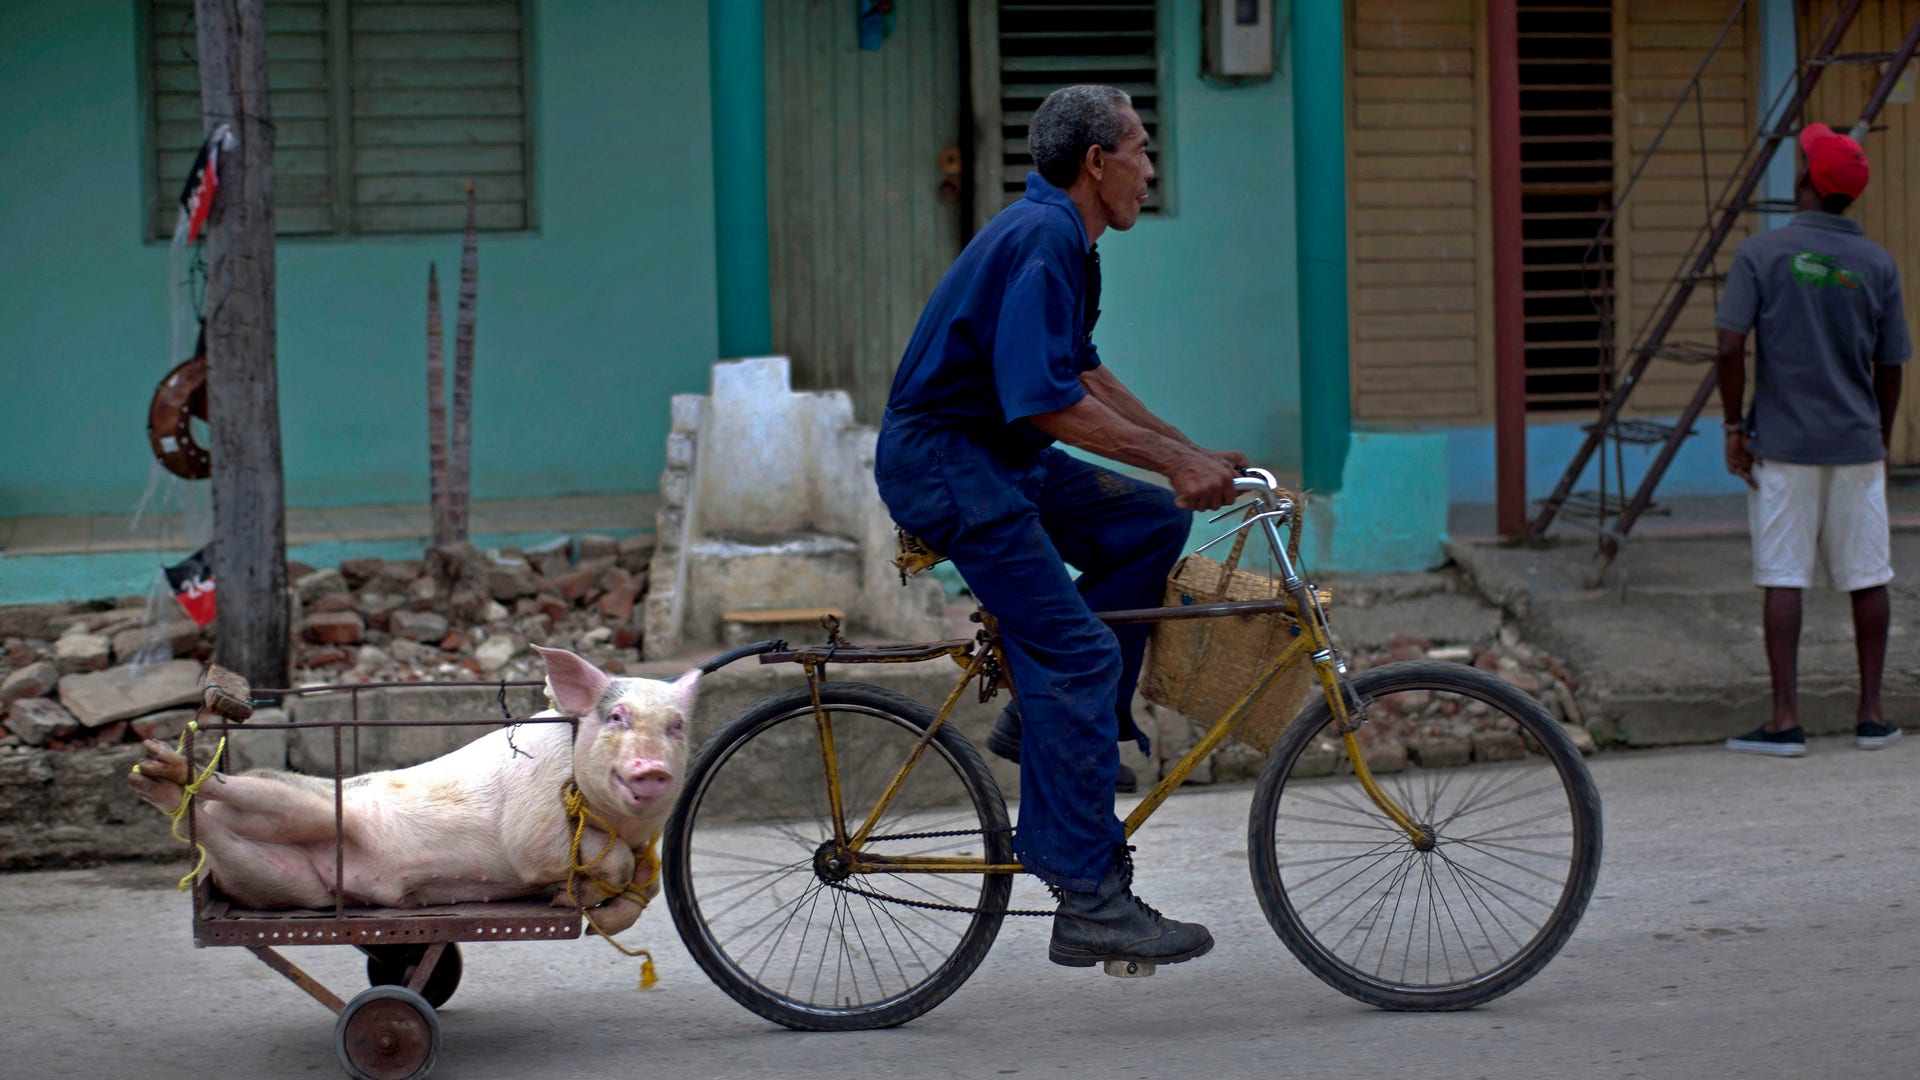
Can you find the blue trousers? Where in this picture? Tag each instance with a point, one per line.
(1010, 529)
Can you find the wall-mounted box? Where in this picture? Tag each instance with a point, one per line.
(1238, 37)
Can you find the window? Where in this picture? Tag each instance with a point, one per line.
(1566, 194)
(1024, 50)
(383, 111)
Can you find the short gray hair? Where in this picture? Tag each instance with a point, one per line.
(1069, 121)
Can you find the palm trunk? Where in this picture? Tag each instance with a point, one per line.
(437, 413)
(460, 447)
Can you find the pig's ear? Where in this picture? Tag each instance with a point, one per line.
(577, 685)
(683, 690)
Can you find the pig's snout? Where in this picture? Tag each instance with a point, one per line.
(648, 779)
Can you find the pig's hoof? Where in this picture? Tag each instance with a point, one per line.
(163, 762)
(387, 1033)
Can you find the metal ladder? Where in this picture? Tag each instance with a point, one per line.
(1697, 267)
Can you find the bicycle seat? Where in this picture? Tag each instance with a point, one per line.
(912, 555)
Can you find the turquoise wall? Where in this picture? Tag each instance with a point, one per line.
(1699, 468)
(586, 325)
(1199, 313)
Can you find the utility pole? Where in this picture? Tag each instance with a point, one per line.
(249, 518)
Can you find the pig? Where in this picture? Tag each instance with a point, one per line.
(485, 822)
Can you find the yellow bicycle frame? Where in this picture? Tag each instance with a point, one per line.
(1311, 642)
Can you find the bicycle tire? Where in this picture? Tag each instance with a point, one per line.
(710, 858)
(1275, 822)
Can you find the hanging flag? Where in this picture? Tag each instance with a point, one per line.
(876, 22)
(192, 582)
(203, 180)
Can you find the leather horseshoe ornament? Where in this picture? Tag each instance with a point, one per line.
(180, 397)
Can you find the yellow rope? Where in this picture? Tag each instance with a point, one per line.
(179, 813)
(580, 815)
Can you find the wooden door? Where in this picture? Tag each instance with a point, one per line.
(1890, 209)
(859, 228)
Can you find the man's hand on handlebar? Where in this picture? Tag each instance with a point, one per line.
(1233, 459)
(1203, 480)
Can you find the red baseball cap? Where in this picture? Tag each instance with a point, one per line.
(1835, 163)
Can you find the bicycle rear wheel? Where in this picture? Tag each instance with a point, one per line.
(1453, 924)
(747, 848)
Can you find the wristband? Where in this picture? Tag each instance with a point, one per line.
(1733, 427)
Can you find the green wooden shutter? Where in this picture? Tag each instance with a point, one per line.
(1026, 49)
(300, 75)
(383, 110)
(439, 99)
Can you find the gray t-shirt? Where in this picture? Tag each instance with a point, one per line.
(1826, 302)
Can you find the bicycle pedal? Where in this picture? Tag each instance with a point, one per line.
(1128, 969)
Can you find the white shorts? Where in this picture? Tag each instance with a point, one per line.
(1803, 515)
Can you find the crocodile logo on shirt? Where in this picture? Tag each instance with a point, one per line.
(1819, 271)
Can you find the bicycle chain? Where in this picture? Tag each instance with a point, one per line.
(929, 905)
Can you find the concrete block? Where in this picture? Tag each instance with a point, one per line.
(36, 719)
(166, 640)
(727, 692)
(34, 680)
(680, 450)
(394, 731)
(1440, 751)
(757, 478)
(125, 692)
(802, 570)
(260, 744)
(79, 651)
(1498, 745)
(686, 412)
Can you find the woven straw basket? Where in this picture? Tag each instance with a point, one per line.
(1201, 667)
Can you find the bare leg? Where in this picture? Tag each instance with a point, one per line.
(1781, 618)
(1871, 613)
(161, 777)
(281, 808)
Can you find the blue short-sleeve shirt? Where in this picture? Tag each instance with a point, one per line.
(1823, 304)
(1008, 332)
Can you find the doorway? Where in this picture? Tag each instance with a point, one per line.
(865, 203)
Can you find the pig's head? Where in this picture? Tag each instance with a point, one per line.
(630, 753)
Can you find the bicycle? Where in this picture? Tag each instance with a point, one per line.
(876, 900)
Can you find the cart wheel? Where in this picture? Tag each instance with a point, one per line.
(393, 965)
(387, 1033)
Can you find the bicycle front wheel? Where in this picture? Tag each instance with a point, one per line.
(749, 848)
(1449, 924)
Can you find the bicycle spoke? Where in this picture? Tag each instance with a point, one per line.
(1515, 848)
(1472, 846)
(1558, 811)
(1482, 888)
(1384, 851)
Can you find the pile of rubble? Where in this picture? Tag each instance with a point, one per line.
(101, 674)
(1432, 731)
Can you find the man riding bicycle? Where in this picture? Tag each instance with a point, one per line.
(1001, 365)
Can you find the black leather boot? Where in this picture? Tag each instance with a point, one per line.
(1004, 740)
(1113, 924)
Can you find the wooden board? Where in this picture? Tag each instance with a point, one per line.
(858, 234)
(1417, 266)
(781, 615)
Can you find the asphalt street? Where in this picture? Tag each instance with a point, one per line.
(1751, 920)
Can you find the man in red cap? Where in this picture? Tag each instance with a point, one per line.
(1823, 304)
